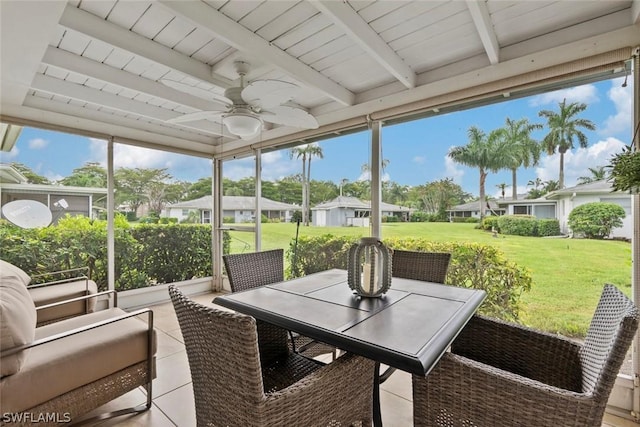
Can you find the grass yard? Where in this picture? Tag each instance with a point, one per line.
(568, 274)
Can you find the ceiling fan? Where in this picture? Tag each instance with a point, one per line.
(243, 109)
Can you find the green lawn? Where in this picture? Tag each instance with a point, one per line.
(568, 274)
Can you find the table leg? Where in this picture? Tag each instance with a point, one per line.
(377, 415)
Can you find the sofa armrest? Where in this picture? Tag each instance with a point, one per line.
(60, 276)
(81, 298)
(38, 342)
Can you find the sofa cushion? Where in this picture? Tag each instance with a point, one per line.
(60, 366)
(12, 270)
(17, 320)
(43, 295)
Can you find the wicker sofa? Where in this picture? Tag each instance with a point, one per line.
(56, 373)
(57, 286)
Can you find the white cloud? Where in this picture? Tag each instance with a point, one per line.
(576, 163)
(37, 143)
(522, 189)
(419, 159)
(452, 170)
(366, 176)
(585, 93)
(620, 122)
(6, 156)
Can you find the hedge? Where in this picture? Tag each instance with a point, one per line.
(145, 255)
(472, 265)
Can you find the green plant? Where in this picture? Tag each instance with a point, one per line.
(518, 225)
(548, 227)
(624, 170)
(596, 220)
(490, 223)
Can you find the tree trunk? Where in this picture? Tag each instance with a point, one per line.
(514, 183)
(561, 176)
(483, 202)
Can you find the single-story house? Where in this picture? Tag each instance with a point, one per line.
(240, 208)
(598, 191)
(351, 211)
(557, 204)
(60, 199)
(472, 209)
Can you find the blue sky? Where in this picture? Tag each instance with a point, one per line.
(417, 151)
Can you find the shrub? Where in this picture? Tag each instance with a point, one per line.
(472, 265)
(264, 219)
(228, 220)
(419, 217)
(518, 225)
(390, 218)
(472, 220)
(596, 220)
(296, 216)
(490, 223)
(548, 227)
(144, 255)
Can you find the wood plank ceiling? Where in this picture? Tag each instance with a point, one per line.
(98, 67)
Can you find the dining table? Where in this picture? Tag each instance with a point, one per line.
(408, 328)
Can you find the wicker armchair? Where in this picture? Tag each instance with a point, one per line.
(425, 266)
(504, 375)
(238, 383)
(255, 269)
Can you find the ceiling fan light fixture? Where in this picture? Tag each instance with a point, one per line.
(242, 124)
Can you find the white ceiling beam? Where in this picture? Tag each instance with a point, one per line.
(482, 21)
(26, 31)
(239, 37)
(100, 29)
(94, 96)
(343, 15)
(87, 67)
(109, 124)
(635, 12)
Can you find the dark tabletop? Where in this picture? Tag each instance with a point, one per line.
(409, 328)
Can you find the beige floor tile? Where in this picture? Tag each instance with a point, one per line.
(399, 383)
(613, 421)
(179, 406)
(396, 411)
(176, 334)
(172, 372)
(167, 344)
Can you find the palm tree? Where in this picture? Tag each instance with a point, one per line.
(366, 168)
(502, 187)
(487, 153)
(306, 153)
(524, 150)
(564, 127)
(313, 150)
(597, 174)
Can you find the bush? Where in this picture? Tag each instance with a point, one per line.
(518, 225)
(167, 220)
(472, 220)
(490, 223)
(548, 227)
(420, 217)
(390, 218)
(472, 265)
(131, 216)
(464, 219)
(228, 220)
(144, 255)
(596, 220)
(296, 216)
(264, 219)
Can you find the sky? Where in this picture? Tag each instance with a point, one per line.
(416, 151)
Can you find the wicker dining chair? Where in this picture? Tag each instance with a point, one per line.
(236, 384)
(254, 269)
(425, 266)
(502, 375)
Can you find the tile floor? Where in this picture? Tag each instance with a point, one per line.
(173, 397)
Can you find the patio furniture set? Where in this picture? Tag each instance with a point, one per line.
(256, 365)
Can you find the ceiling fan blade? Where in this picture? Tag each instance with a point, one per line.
(200, 115)
(222, 101)
(268, 93)
(289, 116)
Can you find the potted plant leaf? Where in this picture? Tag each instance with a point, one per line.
(624, 170)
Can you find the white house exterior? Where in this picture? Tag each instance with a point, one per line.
(568, 199)
(540, 208)
(351, 211)
(472, 210)
(240, 208)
